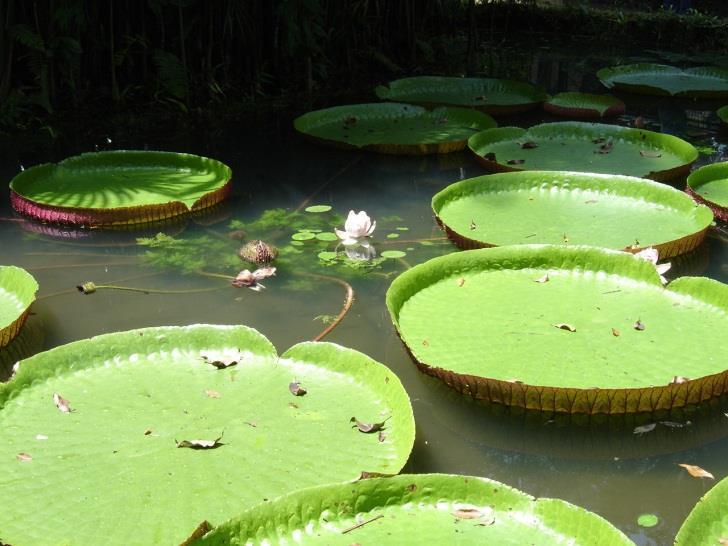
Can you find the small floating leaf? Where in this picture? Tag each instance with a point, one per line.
(326, 236)
(200, 444)
(87, 288)
(296, 388)
(327, 256)
(303, 236)
(564, 326)
(23, 457)
(367, 427)
(648, 520)
(393, 254)
(516, 161)
(61, 403)
(650, 153)
(392, 235)
(696, 471)
(638, 325)
(318, 208)
(644, 428)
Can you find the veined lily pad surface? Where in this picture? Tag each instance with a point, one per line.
(558, 207)
(416, 509)
(707, 522)
(17, 292)
(394, 128)
(584, 105)
(564, 329)
(119, 188)
(491, 95)
(723, 113)
(709, 185)
(661, 79)
(136, 437)
(585, 147)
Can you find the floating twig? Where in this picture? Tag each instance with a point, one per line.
(362, 524)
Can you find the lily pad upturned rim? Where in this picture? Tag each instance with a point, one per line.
(393, 109)
(584, 105)
(116, 216)
(609, 77)
(703, 175)
(707, 522)
(648, 190)
(367, 499)
(397, 90)
(687, 151)
(722, 113)
(23, 286)
(549, 397)
(179, 348)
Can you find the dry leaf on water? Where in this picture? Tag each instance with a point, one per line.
(221, 359)
(200, 444)
(644, 428)
(61, 403)
(696, 471)
(368, 427)
(296, 388)
(564, 326)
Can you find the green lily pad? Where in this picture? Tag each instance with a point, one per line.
(318, 208)
(128, 462)
(415, 509)
(662, 79)
(392, 235)
(564, 329)
(327, 255)
(584, 105)
(491, 95)
(17, 292)
(393, 254)
(647, 520)
(559, 207)
(327, 236)
(585, 147)
(394, 128)
(709, 185)
(722, 113)
(707, 522)
(122, 187)
(303, 236)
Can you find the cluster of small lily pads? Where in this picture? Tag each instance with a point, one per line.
(202, 421)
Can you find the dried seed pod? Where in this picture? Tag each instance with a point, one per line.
(257, 252)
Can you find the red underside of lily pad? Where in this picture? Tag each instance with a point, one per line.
(721, 213)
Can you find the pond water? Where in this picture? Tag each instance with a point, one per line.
(599, 464)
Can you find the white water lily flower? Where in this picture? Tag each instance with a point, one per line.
(250, 279)
(356, 226)
(651, 255)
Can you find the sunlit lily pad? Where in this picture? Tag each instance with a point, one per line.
(482, 322)
(393, 254)
(415, 509)
(391, 128)
(709, 185)
(112, 466)
(722, 113)
(17, 292)
(585, 147)
(118, 188)
(707, 522)
(318, 208)
(491, 95)
(559, 207)
(584, 105)
(662, 79)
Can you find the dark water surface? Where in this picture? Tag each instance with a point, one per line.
(600, 465)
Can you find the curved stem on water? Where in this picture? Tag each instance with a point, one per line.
(74, 290)
(348, 301)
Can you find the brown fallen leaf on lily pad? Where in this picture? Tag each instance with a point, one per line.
(368, 427)
(638, 325)
(543, 279)
(615, 332)
(251, 279)
(61, 403)
(679, 379)
(472, 225)
(490, 156)
(723, 541)
(296, 389)
(650, 153)
(222, 359)
(485, 515)
(23, 457)
(528, 145)
(696, 471)
(606, 147)
(516, 161)
(564, 326)
(212, 394)
(461, 281)
(200, 444)
(382, 436)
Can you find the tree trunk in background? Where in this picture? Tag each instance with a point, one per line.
(472, 39)
(7, 44)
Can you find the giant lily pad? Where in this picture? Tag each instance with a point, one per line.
(709, 185)
(139, 436)
(564, 329)
(707, 522)
(17, 292)
(491, 95)
(662, 79)
(415, 509)
(119, 188)
(584, 105)
(722, 113)
(394, 128)
(586, 147)
(559, 207)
